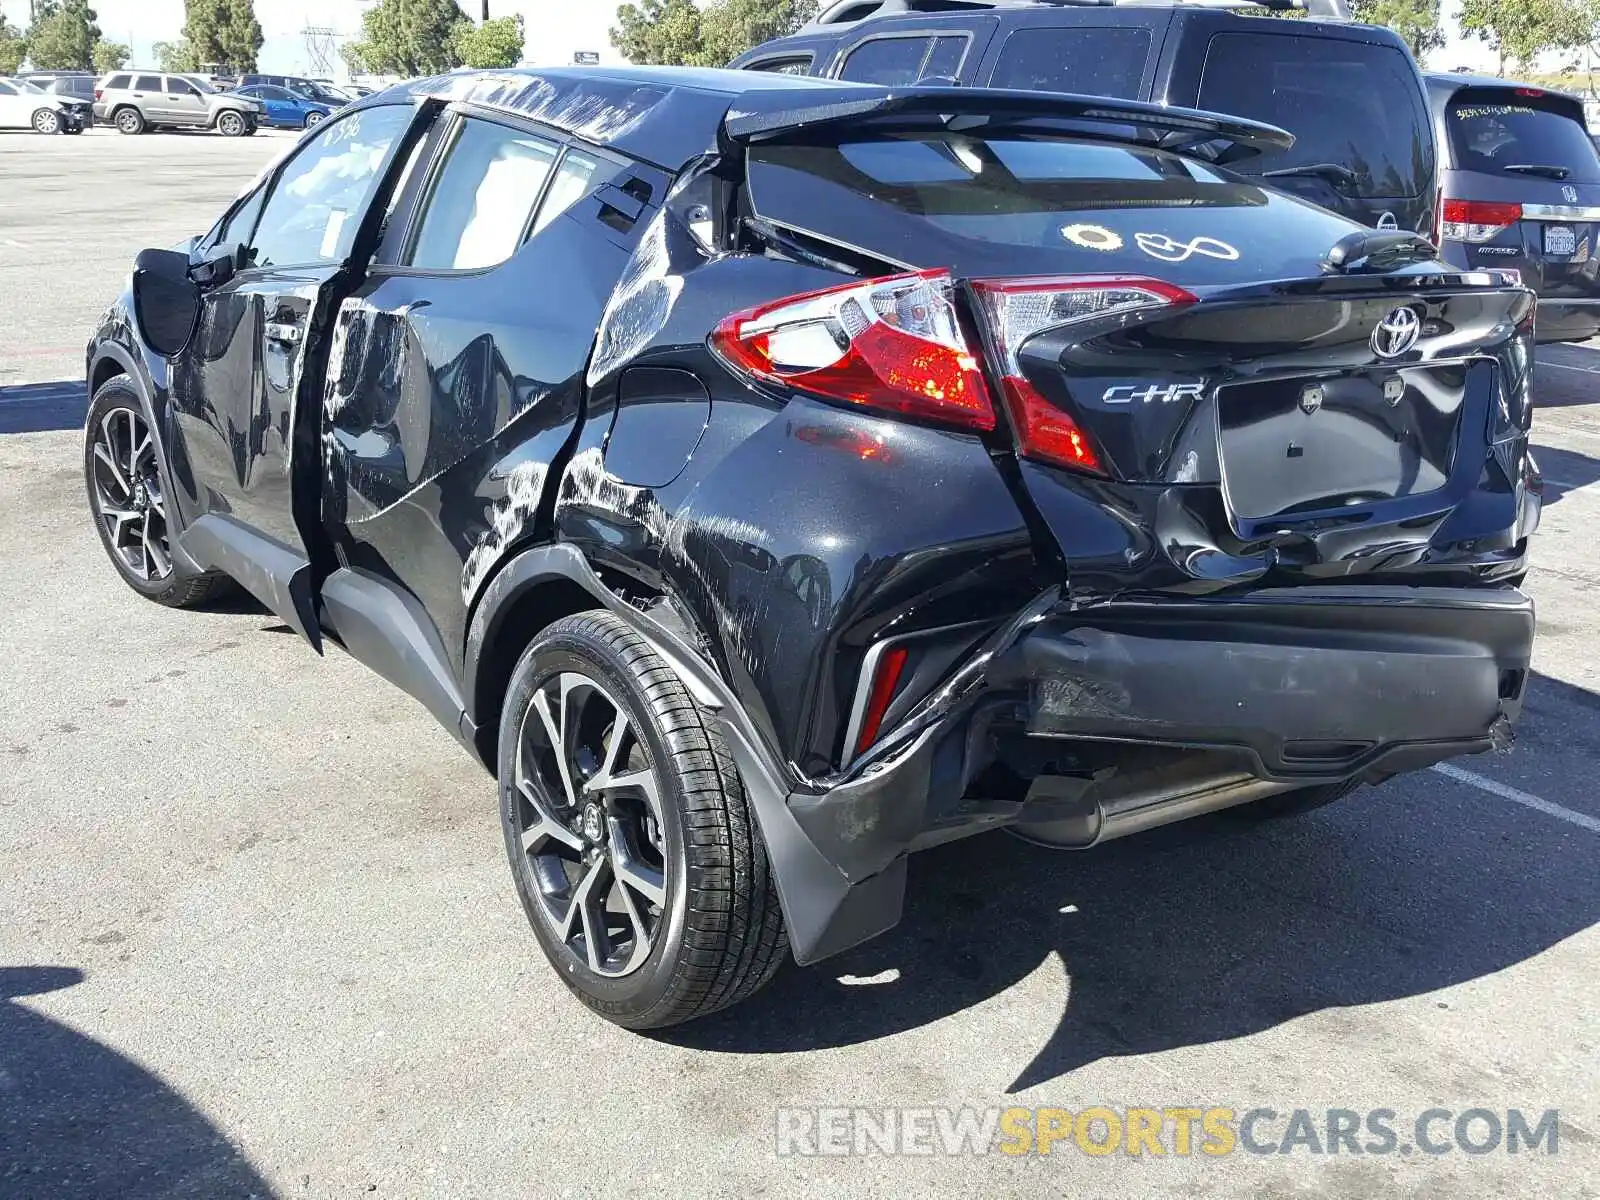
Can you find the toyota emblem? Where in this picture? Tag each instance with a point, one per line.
(1569, 194)
(1396, 333)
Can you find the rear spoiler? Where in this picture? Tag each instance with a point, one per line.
(767, 116)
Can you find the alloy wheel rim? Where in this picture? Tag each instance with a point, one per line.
(127, 121)
(589, 824)
(313, 119)
(48, 122)
(231, 123)
(128, 498)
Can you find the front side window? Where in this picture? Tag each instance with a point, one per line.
(892, 61)
(320, 196)
(481, 204)
(179, 87)
(784, 66)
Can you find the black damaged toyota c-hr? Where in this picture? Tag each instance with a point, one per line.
(769, 477)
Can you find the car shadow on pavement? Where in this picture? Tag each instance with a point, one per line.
(1564, 470)
(1201, 932)
(78, 1119)
(43, 407)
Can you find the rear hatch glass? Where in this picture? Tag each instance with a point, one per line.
(1506, 131)
(1016, 205)
(1357, 105)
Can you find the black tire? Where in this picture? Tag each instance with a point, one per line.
(231, 123)
(47, 121)
(129, 121)
(313, 119)
(1291, 804)
(115, 408)
(718, 932)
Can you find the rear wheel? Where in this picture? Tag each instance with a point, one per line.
(231, 124)
(634, 850)
(128, 501)
(129, 121)
(47, 120)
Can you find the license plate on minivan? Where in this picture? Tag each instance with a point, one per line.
(1560, 239)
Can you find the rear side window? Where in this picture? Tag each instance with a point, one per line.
(1352, 103)
(1500, 132)
(578, 175)
(483, 200)
(147, 83)
(1091, 62)
(892, 61)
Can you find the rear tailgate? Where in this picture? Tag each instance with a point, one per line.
(1176, 349)
(1523, 190)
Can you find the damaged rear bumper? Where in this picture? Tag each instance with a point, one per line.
(1294, 686)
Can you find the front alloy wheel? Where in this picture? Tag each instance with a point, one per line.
(130, 506)
(47, 120)
(125, 489)
(230, 124)
(313, 119)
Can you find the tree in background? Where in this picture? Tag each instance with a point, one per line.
(13, 47)
(680, 33)
(659, 32)
(176, 56)
(108, 56)
(495, 43)
(1417, 21)
(63, 36)
(731, 27)
(408, 37)
(1518, 31)
(223, 31)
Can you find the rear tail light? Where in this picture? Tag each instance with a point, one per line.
(1475, 221)
(885, 679)
(891, 344)
(99, 93)
(1018, 309)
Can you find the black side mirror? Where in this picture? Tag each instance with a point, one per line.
(166, 300)
(219, 265)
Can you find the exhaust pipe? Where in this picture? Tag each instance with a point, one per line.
(1073, 813)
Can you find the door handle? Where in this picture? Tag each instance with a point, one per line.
(279, 331)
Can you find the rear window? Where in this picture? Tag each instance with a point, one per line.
(1502, 133)
(1091, 62)
(1034, 205)
(1352, 103)
(117, 83)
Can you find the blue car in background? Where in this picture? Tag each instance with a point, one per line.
(286, 109)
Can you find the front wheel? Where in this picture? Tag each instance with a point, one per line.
(313, 119)
(128, 501)
(231, 124)
(47, 120)
(634, 849)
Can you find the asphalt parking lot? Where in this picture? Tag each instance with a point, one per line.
(258, 938)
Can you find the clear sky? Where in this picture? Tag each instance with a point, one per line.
(556, 28)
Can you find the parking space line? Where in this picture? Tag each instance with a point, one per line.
(1516, 796)
(1566, 367)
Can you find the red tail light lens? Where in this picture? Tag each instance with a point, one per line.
(99, 93)
(884, 682)
(892, 344)
(1018, 309)
(1477, 221)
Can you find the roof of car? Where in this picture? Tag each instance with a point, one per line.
(661, 115)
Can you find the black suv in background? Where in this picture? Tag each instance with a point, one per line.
(1351, 94)
(1519, 188)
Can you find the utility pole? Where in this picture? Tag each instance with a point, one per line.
(485, 10)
